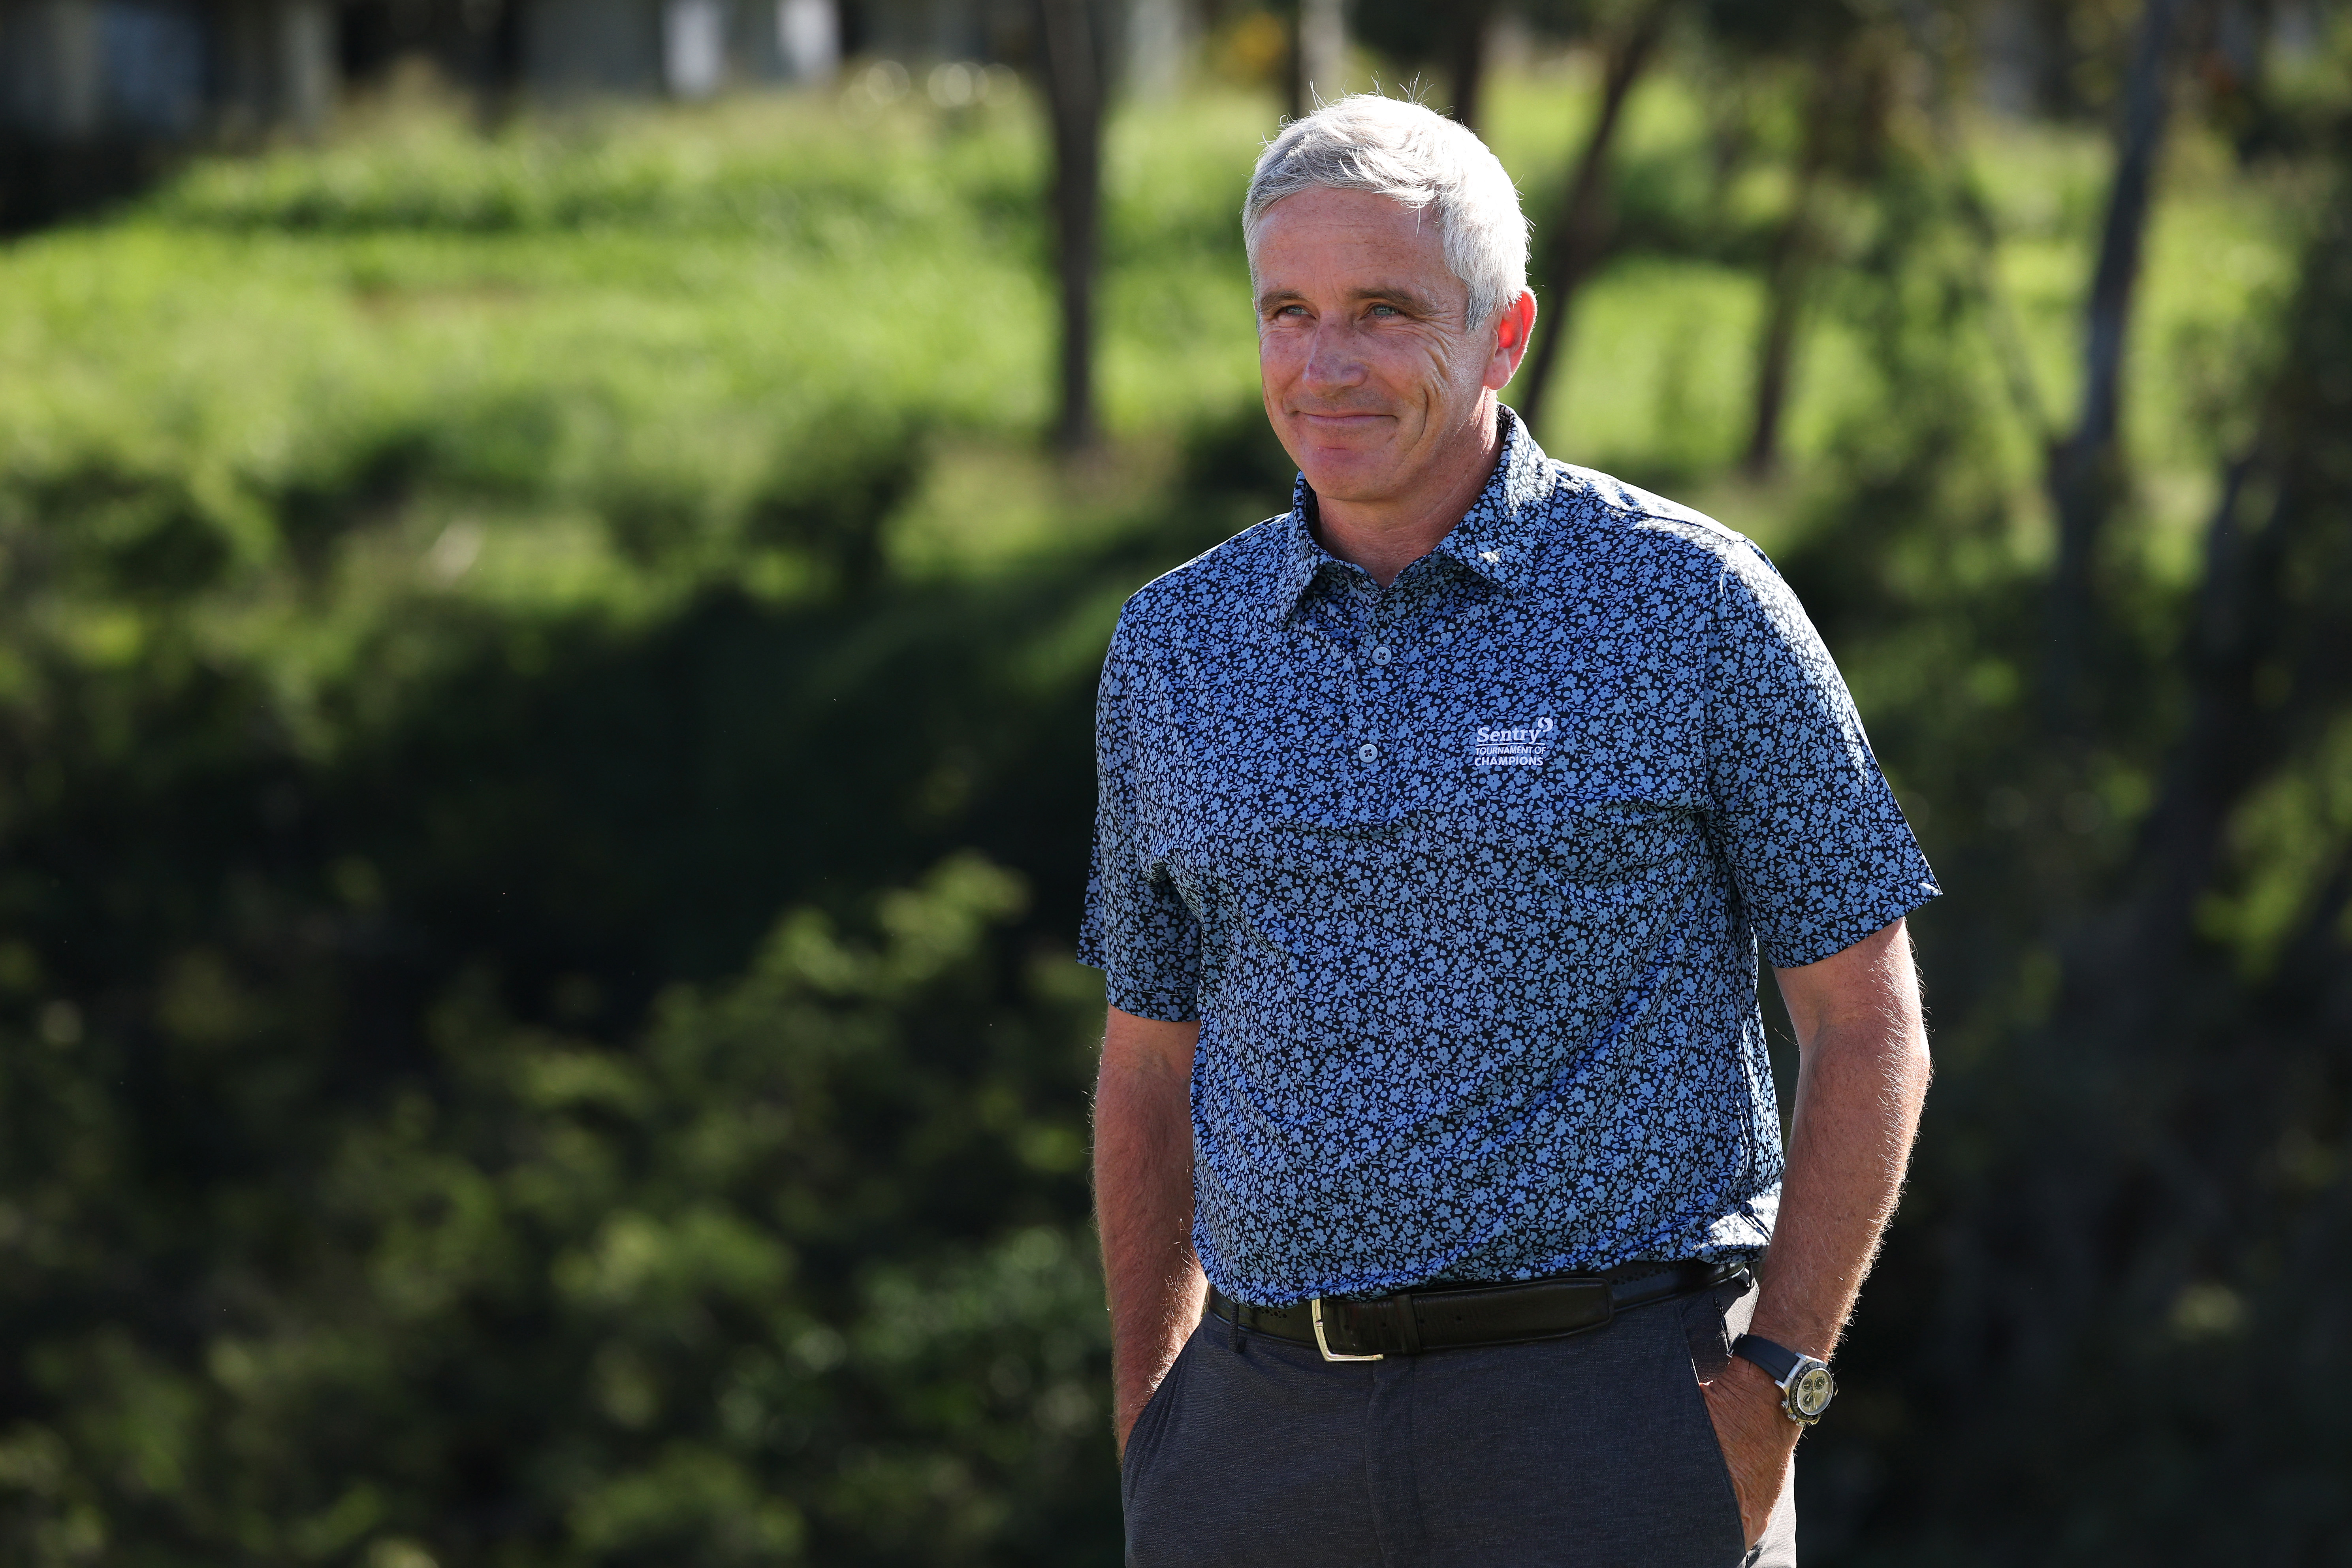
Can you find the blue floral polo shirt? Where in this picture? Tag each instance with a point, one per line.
(1465, 880)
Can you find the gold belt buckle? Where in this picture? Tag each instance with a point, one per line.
(1316, 1305)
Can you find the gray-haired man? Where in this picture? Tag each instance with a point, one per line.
(1440, 822)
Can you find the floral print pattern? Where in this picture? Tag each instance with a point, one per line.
(1465, 880)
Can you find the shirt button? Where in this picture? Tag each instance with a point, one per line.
(1382, 655)
(1367, 753)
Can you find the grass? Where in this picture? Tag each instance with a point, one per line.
(561, 365)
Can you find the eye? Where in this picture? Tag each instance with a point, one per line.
(1386, 310)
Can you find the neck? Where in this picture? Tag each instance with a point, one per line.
(1387, 535)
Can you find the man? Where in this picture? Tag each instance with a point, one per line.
(1440, 822)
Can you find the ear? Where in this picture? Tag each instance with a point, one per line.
(1514, 324)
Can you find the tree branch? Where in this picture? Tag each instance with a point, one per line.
(2083, 470)
(1073, 99)
(1581, 236)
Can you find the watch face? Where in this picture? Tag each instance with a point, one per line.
(1811, 1392)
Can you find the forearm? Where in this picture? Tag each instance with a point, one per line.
(1143, 1205)
(1861, 1082)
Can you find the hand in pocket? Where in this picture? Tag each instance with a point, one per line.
(1758, 1439)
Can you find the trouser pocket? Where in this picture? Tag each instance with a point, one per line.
(1703, 1352)
(1143, 1441)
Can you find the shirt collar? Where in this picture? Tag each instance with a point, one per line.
(1494, 540)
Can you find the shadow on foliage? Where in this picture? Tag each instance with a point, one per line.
(425, 1136)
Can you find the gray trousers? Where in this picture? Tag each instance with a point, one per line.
(1593, 1451)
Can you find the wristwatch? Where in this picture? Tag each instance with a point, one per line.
(1806, 1385)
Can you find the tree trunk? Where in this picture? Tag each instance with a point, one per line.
(2269, 654)
(1074, 95)
(2166, 1075)
(1322, 52)
(1790, 268)
(1579, 237)
(1844, 94)
(1294, 88)
(1468, 46)
(2006, 337)
(2083, 478)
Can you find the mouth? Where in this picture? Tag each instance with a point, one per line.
(1336, 421)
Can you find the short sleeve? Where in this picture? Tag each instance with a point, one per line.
(1137, 929)
(1816, 843)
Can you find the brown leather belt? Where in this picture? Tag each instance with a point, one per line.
(1458, 1317)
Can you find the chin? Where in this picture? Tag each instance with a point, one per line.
(1361, 479)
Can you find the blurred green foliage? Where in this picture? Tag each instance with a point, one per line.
(459, 592)
(544, 774)
(789, 1272)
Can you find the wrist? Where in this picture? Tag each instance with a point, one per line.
(1747, 1377)
(1802, 1335)
(1801, 1381)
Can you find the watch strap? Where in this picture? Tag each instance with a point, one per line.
(1778, 1362)
(1806, 1385)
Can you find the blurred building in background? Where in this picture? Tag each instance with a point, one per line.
(88, 70)
(95, 95)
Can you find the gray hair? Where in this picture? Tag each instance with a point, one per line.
(1414, 156)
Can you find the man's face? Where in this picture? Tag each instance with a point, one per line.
(1371, 368)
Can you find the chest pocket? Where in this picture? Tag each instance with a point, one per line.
(1570, 803)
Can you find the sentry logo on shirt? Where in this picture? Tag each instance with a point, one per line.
(1512, 746)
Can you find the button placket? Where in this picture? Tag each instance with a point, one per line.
(1363, 615)
(1379, 666)
(1411, 621)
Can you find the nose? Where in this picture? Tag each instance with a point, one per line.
(1332, 362)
